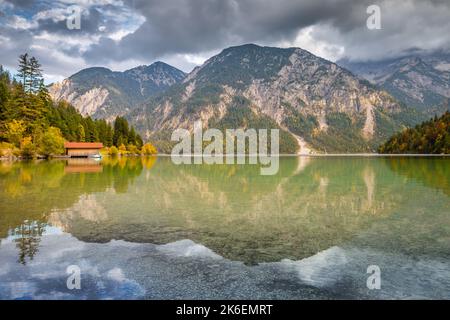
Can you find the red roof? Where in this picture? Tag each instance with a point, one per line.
(83, 145)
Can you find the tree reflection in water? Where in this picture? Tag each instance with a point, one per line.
(27, 237)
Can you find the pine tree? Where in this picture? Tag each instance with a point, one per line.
(4, 93)
(81, 136)
(23, 72)
(132, 137)
(120, 131)
(109, 136)
(43, 93)
(27, 106)
(35, 75)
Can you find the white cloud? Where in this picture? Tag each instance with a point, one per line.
(187, 62)
(19, 22)
(55, 14)
(305, 39)
(61, 42)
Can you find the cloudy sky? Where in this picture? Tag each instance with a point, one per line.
(184, 33)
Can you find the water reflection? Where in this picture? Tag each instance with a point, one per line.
(136, 224)
(32, 190)
(27, 237)
(434, 173)
(312, 204)
(82, 165)
(188, 270)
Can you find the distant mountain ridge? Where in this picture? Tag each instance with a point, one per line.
(102, 93)
(317, 104)
(420, 81)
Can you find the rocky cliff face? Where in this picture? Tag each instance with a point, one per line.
(102, 93)
(420, 82)
(323, 106)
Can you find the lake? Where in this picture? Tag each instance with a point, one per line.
(145, 228)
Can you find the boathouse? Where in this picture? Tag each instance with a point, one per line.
(82, 149)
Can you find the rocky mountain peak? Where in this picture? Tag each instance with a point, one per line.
(159, 73)
(422, 82)
(289, 88)
(103, 93)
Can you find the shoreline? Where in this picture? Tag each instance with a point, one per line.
(329, 155)
(324, 155)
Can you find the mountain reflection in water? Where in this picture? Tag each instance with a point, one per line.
(315, 225)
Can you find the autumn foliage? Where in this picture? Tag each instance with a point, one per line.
(430, 137)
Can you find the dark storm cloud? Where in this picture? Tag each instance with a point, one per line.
(17, 41)
(191, 26)
(407, 26)
(145, 30)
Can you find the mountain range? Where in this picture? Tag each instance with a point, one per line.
(420, 81)
(318, 105)
(102, 93)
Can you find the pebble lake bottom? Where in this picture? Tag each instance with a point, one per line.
(144, 228)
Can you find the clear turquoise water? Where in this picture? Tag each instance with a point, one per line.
(146, 228)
